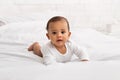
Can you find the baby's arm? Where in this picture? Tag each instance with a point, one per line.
(48, 57)
(81, 53)
(35, 47)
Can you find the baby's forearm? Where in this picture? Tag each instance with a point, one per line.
(36, 50)
(35, 47)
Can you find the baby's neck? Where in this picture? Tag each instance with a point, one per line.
(62, 49)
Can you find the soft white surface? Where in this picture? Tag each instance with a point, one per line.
(16, 63)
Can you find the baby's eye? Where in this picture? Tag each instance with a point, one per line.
(54, 32)
(63, 32)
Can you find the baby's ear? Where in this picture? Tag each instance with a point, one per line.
(47, 35)
(69, 34)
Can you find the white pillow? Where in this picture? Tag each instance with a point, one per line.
(25, 32)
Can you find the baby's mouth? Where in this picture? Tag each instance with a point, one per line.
(59, 40)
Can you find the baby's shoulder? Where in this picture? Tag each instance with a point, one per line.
(71, 44)
(48, 45)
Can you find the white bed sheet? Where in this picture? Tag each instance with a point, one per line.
(16, 63)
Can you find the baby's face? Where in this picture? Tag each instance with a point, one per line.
(58, 33)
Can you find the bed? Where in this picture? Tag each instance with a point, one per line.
(16, 63)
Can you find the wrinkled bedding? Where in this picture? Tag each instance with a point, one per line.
(16, 63)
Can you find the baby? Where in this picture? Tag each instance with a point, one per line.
(59, 48)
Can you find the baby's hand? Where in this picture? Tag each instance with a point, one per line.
(31, 46)
(30, 49)
(84, 60)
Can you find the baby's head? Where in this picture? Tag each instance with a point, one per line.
(58, 30)
(55, 19)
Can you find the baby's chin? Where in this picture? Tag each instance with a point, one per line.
(60, 44)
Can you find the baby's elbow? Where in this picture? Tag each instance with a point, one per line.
(48, 61)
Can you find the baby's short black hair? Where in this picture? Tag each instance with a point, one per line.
(57, 18)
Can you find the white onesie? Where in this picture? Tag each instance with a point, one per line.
(52, 55)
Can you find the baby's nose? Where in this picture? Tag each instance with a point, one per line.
(59, 35)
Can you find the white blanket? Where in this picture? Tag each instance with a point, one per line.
(16, 63)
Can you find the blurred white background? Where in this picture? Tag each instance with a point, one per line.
(103, 15)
